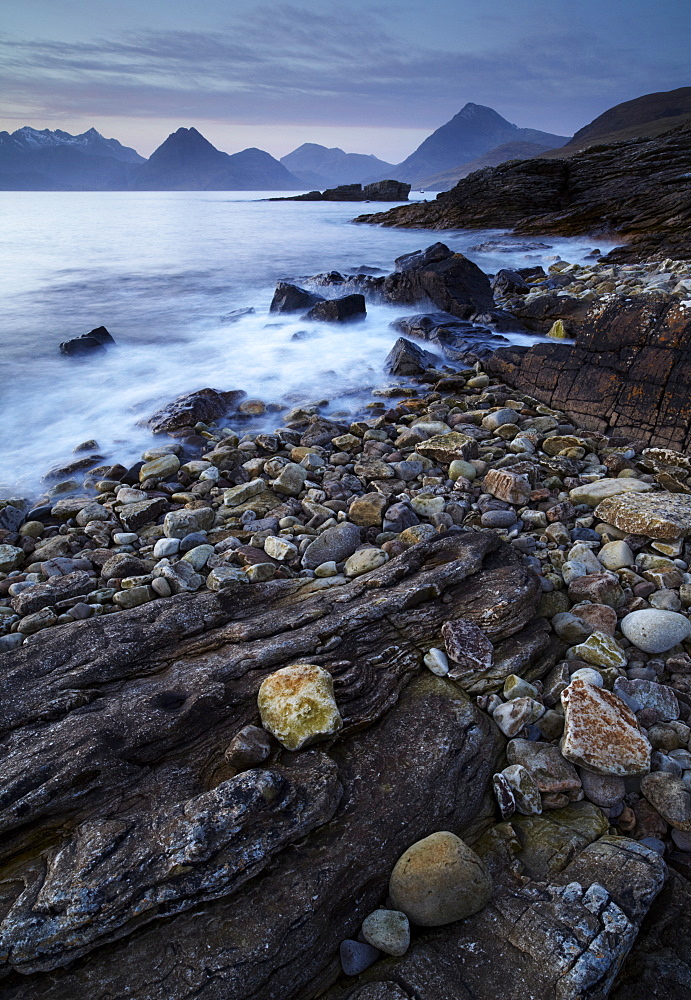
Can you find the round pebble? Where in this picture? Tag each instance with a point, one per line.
(655, 631)
(387, 930)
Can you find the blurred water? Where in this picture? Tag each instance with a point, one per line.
(159, 270)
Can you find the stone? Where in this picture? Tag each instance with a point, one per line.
(58, 588)
(37, 621)
(349, 309)
(180, 576)
(512, 716)
(655, 631)
(160, 468)
(364, 561)
(508, 486)
(658, 700)
(297, 705)
(367, 511)
(198, 556)
(248, 748)
(601, 650)
(616, 555)
(10, 557)
(598, 617)
(439, 880)
(387, 930)
(238, 495)
(406, 358)
(600, 588)
(165, 547)
(518, 687)
(356, 956)
(88, 344)
(280, 548)
(467, 646)
(460, 469)
(589, 674)
(135, 515)
(525, 790)
(601, 733)
(545, 763)
(437, 662)
(335, 544)
(503, 793)
(570, 627)
(448, 447)
(498, 519)
(594, 493)
(222, 577)
(203, 405)
(291, 480)
(605, 790)
(180, 523)
(417, 533)
(291, 298)
(134, 596)
(657, 515)
(670, 797)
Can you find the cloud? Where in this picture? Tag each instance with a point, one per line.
(287, 64)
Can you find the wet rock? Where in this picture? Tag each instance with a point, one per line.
(163, 467)
(291, 298)
(406, 358)
(349, 309)
(658, 515)
(601, 733)
(134, 516)
(95, 342)
(439, 880)
(204, 405)
(655, 631)
(297, 705)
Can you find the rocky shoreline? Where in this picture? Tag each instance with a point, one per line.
(373, 706)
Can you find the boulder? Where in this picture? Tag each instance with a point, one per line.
(406, 358)
(95, 342)
(349, 309)
(291, 298)
(185, 411)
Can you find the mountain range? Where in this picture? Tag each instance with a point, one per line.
(44, 160)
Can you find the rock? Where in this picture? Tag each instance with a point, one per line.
(58, 588)
(600, 588)
(437, 662)
(601, 650)
(512, 716)
(602, 489)
(367, 511)
(545, 763)
(449, 280)
(659, 515)
(655, 631)
(364, 561)
(467, 646)
(280, 548)
(10, 557)
(659, 700)
(180, 523)
(181, 576)
(387, 930)
(349, 309)
(223, 577)
(291, 480)
(291, 298)
(134, 516)
(406, 358)
(604, 790)
(511, 487)
(438, 880)
(238, 495)
(297, 705)
(248, 748)
(335, 544)
(134, 596)
(616, 555)
(185, 411)
(601, 733)
(447, 447)
(356, 956)
(498, 519)
(507, 282)
(525, 791)
(89, 343)
(160, 468)
(670, 796)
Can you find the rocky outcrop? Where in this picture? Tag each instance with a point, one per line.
(458, 340)
(388, 190)
(123, 820)
(638, 189)
(628, 374)
(349, 309)
(187, 410)
(292, 298)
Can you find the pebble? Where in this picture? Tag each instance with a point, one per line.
(439, 880)
(437, 661)
(364, 561)
(388, 931)
(297, 705)
(655, 631)
(356, 956)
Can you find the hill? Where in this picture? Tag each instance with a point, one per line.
(474, 131)
(318, 166)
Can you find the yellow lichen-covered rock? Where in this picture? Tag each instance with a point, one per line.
(557, 331)
(297, 705)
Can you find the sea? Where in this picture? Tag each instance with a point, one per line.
(162, 271)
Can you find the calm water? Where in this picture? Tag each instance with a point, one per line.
(160, 270)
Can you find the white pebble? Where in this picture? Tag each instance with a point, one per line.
(436, 660)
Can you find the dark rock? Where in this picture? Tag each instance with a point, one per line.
(628, 373)
(508, 282)
(291, 298)
(123, 564)
(405, 358)
(388, 190)
(349, 309)
(135, 515)
(449, 280)
(202, 405)
(540, 313)
(459, 340)
(604, 188)
(89, 343)
(237, 314)
(58, 588)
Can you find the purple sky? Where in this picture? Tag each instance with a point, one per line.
(368, 77)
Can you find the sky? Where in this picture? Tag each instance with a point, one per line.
(370, 77)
